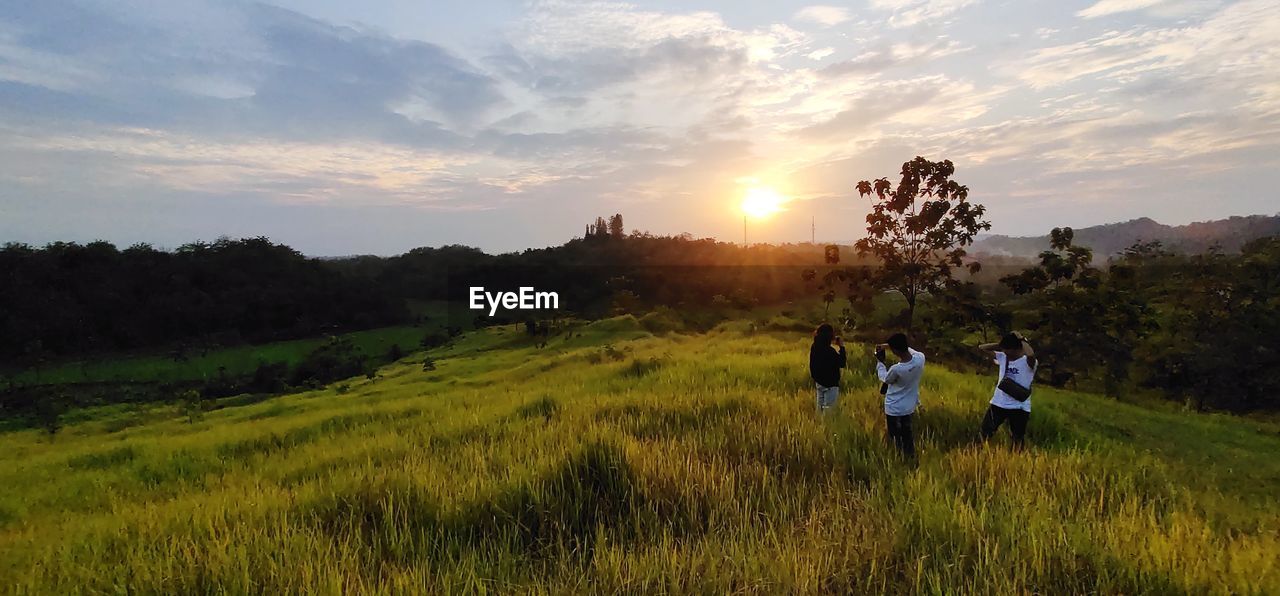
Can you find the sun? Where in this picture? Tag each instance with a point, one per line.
(761, 201)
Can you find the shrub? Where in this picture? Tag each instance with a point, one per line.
(784, 323)
(434, 339)
(606, 354)
(192, 405)
(269, 377)
(221, 385)
(337, 359)
(662, 320)
(49, 412)
(642, 367)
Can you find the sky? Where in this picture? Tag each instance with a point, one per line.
(374, 127)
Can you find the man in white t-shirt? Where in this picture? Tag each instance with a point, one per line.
(1017, 362)
(901, 388)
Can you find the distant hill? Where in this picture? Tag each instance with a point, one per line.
(1110, 239)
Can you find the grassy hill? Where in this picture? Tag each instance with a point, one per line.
(237, 360)
(159, 365)
(617, 461)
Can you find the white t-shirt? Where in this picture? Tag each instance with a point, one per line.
(904, 384)
(1022, 373)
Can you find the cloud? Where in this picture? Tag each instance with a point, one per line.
(289, 171)
(233, 69)
(922, 102)
(827, 16)
(890, 56)
(1235, 48)
(672, 71)
(567, 28)
(907, 13)
(819, 54)
(581, 106)
(1109, 7)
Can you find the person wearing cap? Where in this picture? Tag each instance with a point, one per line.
(825, 364)
(1012, 398)
(900, 385)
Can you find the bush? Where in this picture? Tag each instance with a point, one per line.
(434, 339)
(662, 320)
(606, 354)
(269, 377)
(641, 367)
(192, 405)
(614, 325)
(49, 412)
(784, 323)
(338, 359)
(221, 385)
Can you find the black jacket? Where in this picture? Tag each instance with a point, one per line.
(825, 365)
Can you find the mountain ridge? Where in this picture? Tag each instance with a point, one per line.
(1113, 238)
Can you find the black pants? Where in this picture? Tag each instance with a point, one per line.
(1017, 423)
(900, 434)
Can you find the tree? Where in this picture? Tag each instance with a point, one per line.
(337, 359)
(616, 230)
(1218, 346)
(192, 405)
(49, 411)
(1085, 320)
(859, 290)
(919, 229)
(965, 307)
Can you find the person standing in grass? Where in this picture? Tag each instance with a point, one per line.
(900, 385)
(1012, 399)
(825, 364)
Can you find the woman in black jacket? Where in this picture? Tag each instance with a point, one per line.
(825, 364)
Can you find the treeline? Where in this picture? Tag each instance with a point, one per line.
(1199, 328)
(67, 299)
(603, 274)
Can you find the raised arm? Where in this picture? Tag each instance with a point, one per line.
(886, 374)
(991, 347)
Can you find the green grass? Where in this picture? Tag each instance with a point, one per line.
(237, 360)
(617, 461)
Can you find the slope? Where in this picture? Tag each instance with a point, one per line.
(620, 461)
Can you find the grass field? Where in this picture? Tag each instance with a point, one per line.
(236, 360)
(159, 366)
(617, 461)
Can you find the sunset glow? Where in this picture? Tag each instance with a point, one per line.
(761, 202)
(463, 122)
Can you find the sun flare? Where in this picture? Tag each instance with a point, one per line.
(760, 202)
